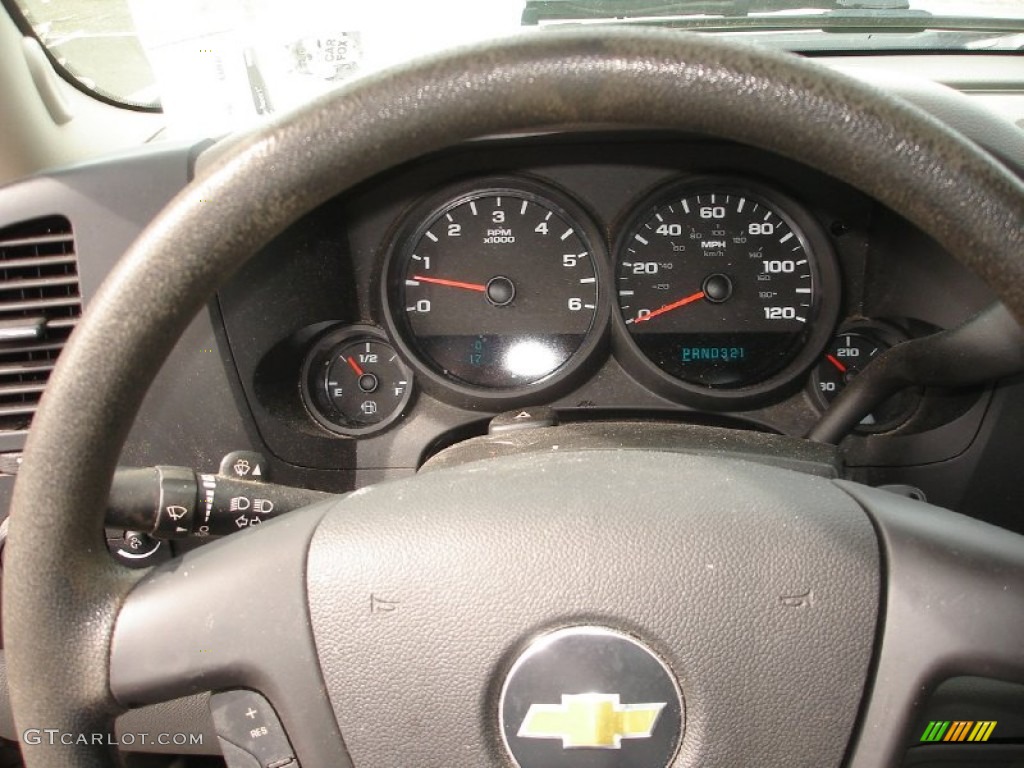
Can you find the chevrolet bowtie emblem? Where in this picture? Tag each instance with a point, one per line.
(594, 720)
(586, 695)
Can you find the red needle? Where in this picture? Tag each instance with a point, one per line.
(836, 363)
(450, 283)
(669, 307)
(355, 366)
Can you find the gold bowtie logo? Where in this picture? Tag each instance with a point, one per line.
(594, 720)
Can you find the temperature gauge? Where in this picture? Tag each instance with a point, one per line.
(354, 382)
(846, 356)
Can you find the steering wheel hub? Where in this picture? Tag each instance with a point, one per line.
(585, 688)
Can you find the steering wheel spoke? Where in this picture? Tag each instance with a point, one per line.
(953, 606)
(232, 615)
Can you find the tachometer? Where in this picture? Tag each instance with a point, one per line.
(497, 290)
(725, 289)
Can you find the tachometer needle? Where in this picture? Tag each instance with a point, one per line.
(355, 366)
(450, 283)
(836, 363)
(669, 307)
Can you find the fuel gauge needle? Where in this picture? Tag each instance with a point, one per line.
(450, 283)
(669, 307)
(355, 366)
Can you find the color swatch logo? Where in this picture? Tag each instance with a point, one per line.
(958, 730)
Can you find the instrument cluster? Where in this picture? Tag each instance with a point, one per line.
(714, 291)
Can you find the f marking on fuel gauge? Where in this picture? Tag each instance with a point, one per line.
(354, 383)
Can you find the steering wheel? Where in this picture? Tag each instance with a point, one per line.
(795, 619)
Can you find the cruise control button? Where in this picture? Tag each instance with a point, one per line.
(246, 721)
(137, 549)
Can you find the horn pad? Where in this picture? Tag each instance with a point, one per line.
(754, 588)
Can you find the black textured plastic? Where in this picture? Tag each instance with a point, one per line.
(232, 614)
(987, 347)
(954, 602)
(245, 719)
(773, 450)
(758, 586)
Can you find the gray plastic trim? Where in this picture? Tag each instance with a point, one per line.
(46, 82)
(232, 614)
(954, 605)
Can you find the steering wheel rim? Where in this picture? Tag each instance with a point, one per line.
(626, 77)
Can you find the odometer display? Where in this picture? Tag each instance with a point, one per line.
(497, 289)
(718, 286)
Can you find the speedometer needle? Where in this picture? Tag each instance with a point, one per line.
(669, 307)
(450, 283)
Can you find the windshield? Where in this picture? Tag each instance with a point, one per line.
(218, 65)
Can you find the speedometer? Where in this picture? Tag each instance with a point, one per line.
(725, 289)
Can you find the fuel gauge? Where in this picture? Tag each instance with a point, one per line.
(846, 356)
(354, 383)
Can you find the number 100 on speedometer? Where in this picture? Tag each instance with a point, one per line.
(720, 287)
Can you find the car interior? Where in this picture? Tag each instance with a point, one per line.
(458, 413)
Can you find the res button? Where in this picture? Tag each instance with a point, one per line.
(249, 732)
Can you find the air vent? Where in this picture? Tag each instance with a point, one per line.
(40, 304)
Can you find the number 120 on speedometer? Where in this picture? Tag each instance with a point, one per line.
(720, 287)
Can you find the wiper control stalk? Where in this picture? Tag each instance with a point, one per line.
(178, 503)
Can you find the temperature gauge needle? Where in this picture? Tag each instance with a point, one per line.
(839, 366)
(450, 283)
(669, 307)
(355, 366)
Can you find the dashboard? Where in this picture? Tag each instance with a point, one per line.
(599, 276)
(344, 360)
(602, 276)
